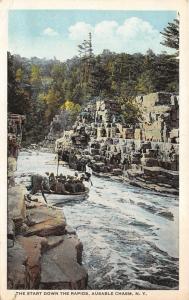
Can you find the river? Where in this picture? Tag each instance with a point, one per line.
(130, 241)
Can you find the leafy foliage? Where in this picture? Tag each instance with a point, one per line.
(42, 88)
(130, 111)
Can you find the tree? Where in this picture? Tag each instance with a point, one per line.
(145, 84)
(72, 110)
(71, 106)
(52, 103)
(19, 75)
(18, 98)
(166, 73)
(100, 79)
(130, 111)
(86, 57)
(171, 35)
(35, 78)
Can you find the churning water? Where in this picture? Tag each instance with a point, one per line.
(130, 235)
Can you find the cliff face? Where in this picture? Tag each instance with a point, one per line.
(160, 118)
(111, 146)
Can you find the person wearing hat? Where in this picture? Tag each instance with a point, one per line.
(36, 182)
(45, 182)
(79, 185)
(70, 185)
(60, 187)
(40, 183)
(52, 181)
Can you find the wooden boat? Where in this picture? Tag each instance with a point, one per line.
(61, 198)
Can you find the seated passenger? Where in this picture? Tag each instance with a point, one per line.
(79, 186)
(68, 186)
(60, 187)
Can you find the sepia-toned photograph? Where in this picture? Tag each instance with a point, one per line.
(93, 149)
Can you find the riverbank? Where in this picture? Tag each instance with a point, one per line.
(151, 178)
(155, 178)
(43, 251)
(136, 178)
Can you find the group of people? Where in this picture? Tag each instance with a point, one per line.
(58, 184)
(66, 184)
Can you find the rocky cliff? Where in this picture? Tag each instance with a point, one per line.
(99, 137)
(43, 251)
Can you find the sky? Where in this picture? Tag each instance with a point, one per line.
(56, 33)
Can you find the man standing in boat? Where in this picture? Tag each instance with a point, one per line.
(60, 153)
(88, 173)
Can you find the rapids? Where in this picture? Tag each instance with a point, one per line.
(130, 235)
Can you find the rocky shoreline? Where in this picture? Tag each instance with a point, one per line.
(151, 178)
(43, 251)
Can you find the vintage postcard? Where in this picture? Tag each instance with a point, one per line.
(94, 166)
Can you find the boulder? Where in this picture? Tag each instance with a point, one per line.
(60, 268)
(45, 221)
(10, 229)
(53, 241)
(16, 205)
(174, 133)
(11, 164)
(30, 205)
(149, 162)
(10, 243)
(117, 172)
(70, 230)
(33, 247)
(34, 198)
(23, 228)
(16, 270)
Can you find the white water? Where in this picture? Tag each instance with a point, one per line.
(127, 245)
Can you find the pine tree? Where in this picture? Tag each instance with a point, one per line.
(86, 56)
(171, 35)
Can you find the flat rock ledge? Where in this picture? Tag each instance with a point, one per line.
(43, 251)
(61, 267)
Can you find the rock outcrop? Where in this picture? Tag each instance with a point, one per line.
(16, 270)
(33, 246)
(115, 147)
(45, 221)
(16, 206)
(43, 251)
(61, 267)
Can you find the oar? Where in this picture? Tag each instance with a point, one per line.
(42, 192)
(57, 167)
(91, 182)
